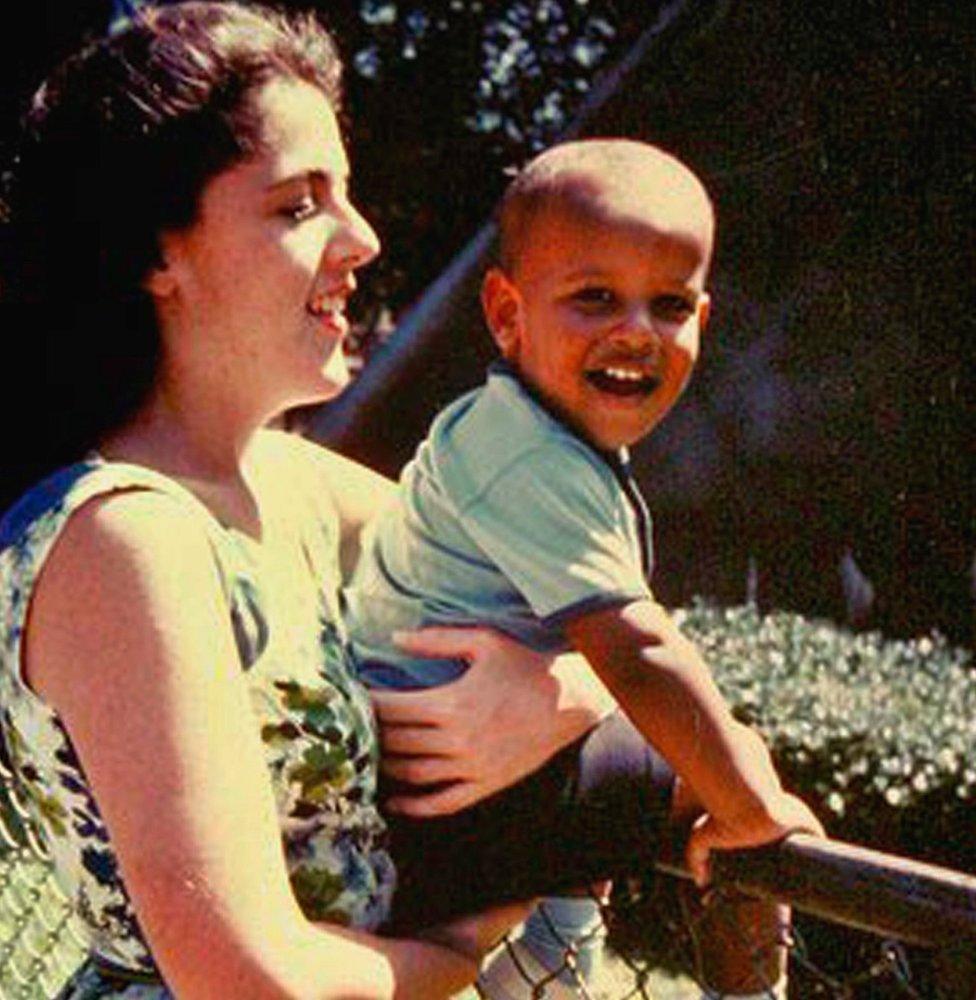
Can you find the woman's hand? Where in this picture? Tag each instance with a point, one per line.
(504, 718)
(474, 936)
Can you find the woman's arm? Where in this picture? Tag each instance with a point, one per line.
(506, 716)
(129, 641)
(357, 492)
(466, 732)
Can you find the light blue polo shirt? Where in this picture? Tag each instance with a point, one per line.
(504, 518)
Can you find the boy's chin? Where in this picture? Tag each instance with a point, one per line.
(612, 435)
(613, 440)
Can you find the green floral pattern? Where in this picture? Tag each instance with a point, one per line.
(315, 721)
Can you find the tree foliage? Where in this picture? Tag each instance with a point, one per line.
(445, 97)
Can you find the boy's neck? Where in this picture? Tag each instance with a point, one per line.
(619, 457)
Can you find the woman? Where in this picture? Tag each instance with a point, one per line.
(183, 247)
(185, 244)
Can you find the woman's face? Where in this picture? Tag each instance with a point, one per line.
(255, 290)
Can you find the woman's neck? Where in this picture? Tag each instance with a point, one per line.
(201, 446)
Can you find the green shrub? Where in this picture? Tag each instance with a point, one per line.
(878, 735)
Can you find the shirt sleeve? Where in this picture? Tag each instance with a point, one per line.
(560, 529)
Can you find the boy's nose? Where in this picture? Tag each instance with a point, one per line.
(638, 329)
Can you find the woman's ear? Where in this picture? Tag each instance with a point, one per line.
(501, 302)
(160, 280)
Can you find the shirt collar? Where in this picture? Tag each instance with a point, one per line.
(619, 459)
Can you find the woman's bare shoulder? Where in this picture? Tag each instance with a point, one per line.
(135, 521)
(125, 560)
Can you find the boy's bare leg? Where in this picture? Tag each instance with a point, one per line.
(740, 941)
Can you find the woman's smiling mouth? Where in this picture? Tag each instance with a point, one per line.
(330, 310)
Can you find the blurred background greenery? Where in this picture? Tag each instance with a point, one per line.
(819, 472)
(822, 460)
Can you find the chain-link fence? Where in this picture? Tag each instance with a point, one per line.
(880, 969)
(919, 942)
(868, 926)
(654, 946)
(41, 941)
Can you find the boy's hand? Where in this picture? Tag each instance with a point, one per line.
(783, 814)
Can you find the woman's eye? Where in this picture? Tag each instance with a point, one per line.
(300, 210)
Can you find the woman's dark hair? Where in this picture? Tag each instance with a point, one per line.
(115, 149)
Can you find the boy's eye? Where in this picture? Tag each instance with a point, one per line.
(595, 298)
(673, 308)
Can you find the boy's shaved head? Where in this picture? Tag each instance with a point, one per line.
(604, 180)
(600, 299)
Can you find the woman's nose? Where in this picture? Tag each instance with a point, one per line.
(358, 243)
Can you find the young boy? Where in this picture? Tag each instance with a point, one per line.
(519, 511)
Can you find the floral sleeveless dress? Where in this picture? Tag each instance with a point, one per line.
(315, 721)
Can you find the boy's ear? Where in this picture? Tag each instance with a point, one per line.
(502, 305)
(704, 310)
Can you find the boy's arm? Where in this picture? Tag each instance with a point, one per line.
(662, 683)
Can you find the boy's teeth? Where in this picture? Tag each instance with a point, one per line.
(623, 381)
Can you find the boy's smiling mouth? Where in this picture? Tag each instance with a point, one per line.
(622, 381)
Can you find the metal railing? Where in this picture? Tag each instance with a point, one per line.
(883, 927)
(913, 927)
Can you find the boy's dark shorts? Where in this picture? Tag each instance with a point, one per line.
(598, 809)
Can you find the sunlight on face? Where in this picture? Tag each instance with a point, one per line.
(608, 303)
(262, 278)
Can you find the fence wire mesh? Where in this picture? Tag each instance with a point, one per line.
(41, 941)
(654, 940)
(653, 944)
